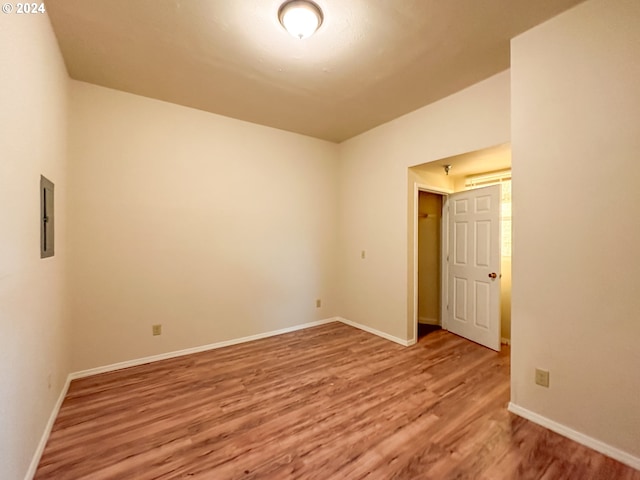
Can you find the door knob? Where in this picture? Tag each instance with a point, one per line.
(493, 275)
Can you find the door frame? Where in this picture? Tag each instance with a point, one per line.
(444, 248)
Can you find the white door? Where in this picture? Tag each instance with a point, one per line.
(474, 265)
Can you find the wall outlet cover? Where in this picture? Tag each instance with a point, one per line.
(542, 377)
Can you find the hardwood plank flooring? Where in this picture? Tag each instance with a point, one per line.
(330, 402)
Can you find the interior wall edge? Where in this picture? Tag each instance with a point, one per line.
(33, 466)
(379, 333)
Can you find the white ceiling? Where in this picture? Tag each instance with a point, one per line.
(371, 60)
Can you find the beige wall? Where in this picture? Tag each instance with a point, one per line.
(220, 229)
(429, 257)
(376, 208)
(33, 321)
(576, 114)
(505, 298)
(213, 227)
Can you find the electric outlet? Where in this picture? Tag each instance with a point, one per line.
(363, 254)
(318, 303)
(542, 377)
(156, 329)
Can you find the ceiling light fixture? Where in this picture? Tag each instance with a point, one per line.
(301, 18)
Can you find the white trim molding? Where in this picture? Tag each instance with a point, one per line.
(234, 341)
(505, 341)
(35, 460)
(576, 436)
(201, 348)
(154, 358)
(404, 343)
(428, 321)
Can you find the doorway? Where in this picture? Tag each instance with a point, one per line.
(429, 226)
(447, 178)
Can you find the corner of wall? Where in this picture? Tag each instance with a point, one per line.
(34, 327)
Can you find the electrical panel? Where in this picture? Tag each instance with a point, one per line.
(47, 237)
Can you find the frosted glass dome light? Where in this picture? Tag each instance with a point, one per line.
(301, 18)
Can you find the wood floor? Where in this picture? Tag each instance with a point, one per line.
(331, 402)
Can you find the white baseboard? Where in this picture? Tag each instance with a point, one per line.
(590, 442)
(505, 341)
(597, 445)
(188, 351)
(33, 466)
(428, 321)
(153, 358)
(404, 343)
(179, 353)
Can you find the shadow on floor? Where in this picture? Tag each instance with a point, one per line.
(425, 329)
